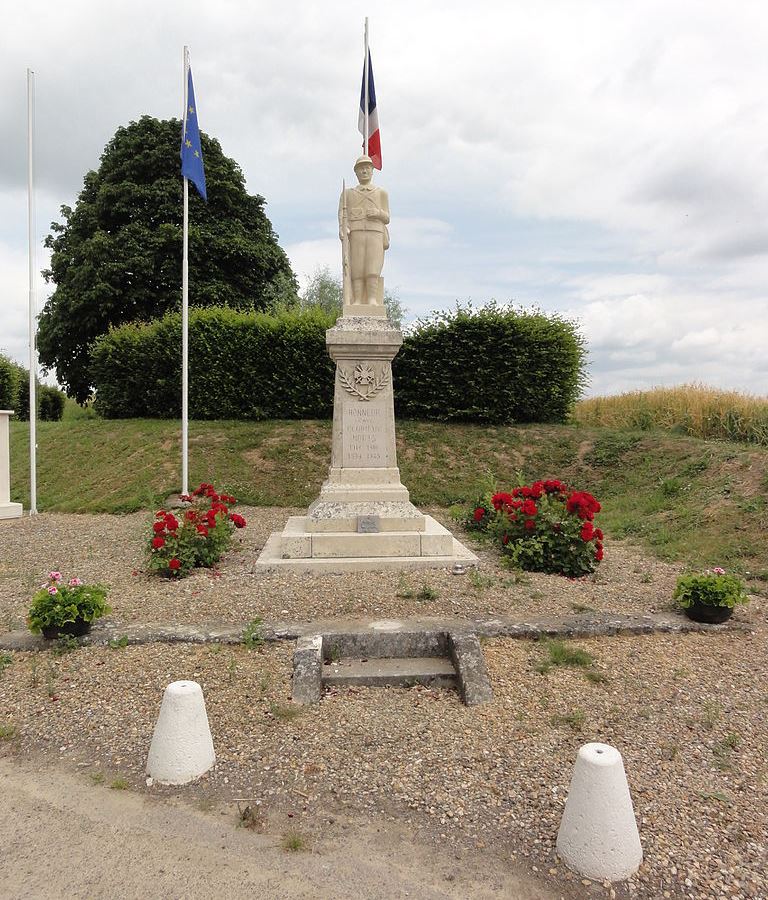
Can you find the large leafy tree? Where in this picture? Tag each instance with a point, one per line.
(117, 255)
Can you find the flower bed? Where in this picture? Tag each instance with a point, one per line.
(542, 527)
(198, 538)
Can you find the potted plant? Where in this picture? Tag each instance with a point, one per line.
(710, 596)
(59, 608)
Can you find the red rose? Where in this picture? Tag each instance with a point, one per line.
(529, 508)
(598, 534)
(599, 554)
(157, 527)
(158, 542)
(478, 514)
(587, 531)
(202, 529)
(171, 522)
(174, 564)
(190, 515)
(529, 524)
(161, 514)
(238, 520)
(501, 499)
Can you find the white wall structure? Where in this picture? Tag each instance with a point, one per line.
(598, 834)
(8, 510)
(182, 746)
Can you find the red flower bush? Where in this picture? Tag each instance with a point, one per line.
(543, 527)
(200, 539)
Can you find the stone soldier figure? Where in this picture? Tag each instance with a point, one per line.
(363, 219)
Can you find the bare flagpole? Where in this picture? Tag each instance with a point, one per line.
(365, 89)
(185, 310)
(32, 309)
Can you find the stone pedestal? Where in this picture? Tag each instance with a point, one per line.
(363, 518)
(8, 510)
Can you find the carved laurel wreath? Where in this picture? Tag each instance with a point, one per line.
(364, 375)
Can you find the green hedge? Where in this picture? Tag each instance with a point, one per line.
(241, 366)
(493, 364)
(14, 393)
(9, 383)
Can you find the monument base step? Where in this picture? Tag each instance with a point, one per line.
(271, 558)
(10, 510)
(428, 671)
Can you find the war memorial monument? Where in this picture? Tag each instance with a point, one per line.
(363, 518)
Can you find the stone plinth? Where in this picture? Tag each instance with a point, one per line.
(363, 518)
(8, 510)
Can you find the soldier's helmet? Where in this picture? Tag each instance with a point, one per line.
(363, 160)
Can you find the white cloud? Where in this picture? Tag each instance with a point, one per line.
(607, 160)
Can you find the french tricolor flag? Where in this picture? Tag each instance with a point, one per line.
(374, 137)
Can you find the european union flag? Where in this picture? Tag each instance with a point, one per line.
(191, 151)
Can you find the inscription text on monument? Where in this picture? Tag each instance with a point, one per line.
(365, 435)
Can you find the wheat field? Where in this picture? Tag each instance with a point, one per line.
(692, 409)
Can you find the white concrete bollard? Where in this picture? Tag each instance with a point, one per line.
(598, 834)
(182, 746)
(8, 510)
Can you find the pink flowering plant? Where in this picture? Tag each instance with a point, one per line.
(197, 535)
(542, 527)
(715, 587)
(59, 603)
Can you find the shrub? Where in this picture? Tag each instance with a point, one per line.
(57, 604)
(489, 365)
(241, 366)
(495, 364)
(715, 588)
(543, 527)
(199, 539)
(14, 393)
(9, 383)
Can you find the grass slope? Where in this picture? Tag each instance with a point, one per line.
(684, 498)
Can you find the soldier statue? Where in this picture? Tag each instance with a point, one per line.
(363, 220)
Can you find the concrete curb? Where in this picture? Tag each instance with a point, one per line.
(308, 670)
(467, 656)
(584, 625)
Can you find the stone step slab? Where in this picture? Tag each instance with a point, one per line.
(430, 671)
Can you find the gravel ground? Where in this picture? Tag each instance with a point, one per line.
(109, 549)
(688, 712)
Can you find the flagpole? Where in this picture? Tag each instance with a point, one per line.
(185, 311)
(32, 311)
(365, 90)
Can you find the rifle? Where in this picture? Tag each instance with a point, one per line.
(348, 299)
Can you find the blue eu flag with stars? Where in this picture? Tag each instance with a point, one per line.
(191, 151)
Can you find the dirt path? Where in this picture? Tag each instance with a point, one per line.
(63, 837)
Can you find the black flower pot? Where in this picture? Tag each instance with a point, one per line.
(77, 629)
(705, 612)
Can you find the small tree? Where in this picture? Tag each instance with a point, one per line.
(325, 292)
(117, 255)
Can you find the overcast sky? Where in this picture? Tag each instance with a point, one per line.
(605, 160)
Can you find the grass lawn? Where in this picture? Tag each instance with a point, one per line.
(702, 502)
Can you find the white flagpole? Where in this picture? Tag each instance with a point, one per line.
(365, 90)
(185, 311)
(32, 310)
